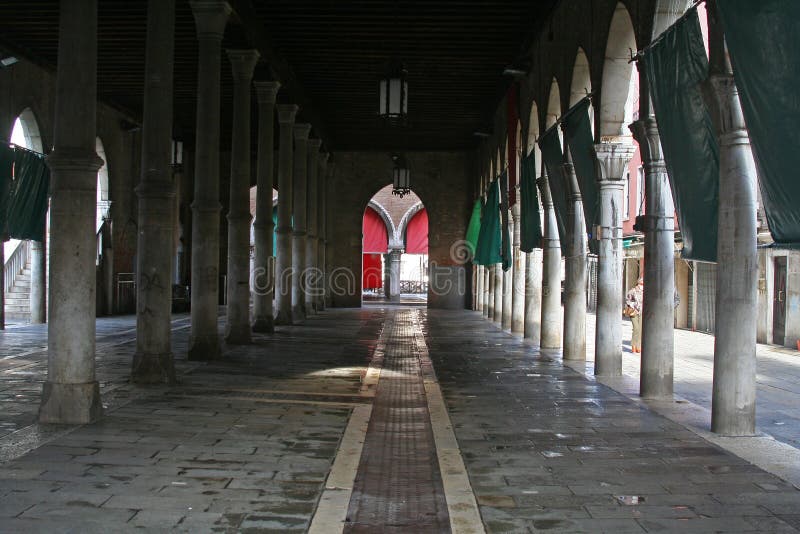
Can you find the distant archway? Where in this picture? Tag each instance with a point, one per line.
(103, 190)
(581, 83)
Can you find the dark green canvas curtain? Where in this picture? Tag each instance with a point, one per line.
(578, 133)
(764, 45)
(675, 66)
(6, 181)
(474, 228)
(489, 239)
(550, 144)
(24, 184)
(531, 226)
(28, 206)
(506, 235)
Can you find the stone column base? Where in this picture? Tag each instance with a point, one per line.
(73, 404)
(298, 314)
(204, 348)
(153, 368)
(264, 325)
(283, 319)
(238, 335)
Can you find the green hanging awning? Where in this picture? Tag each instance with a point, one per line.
(474, 228)
(6, 182)
(550, 144)
(28, 207)
(675, 66)
(505, 251)
(764, 44)
(489, 239)
(578, 132)
(531, 222)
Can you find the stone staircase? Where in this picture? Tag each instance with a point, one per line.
(18, 299)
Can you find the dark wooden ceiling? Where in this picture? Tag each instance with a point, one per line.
(329, 55)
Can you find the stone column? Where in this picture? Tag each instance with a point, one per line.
(38, 302)
(487, 301)
(300, 222)
(551, 272)
(498, 294)
(312, 241)
(656, 376)
(264, 268)
(71, 393)
(533, 296)
(283, 263)
(153, 362)
(733, 402)
(237, 324)
(478, 287)
(322, 180)
(612, 160)
(393, 269)
(508, 277)
(489, 308)
(575, 271)
(210, 18)
(518, 284)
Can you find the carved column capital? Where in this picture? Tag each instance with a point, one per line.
(210, 17)
(645, 131)
(266, 92)
(287, 113)
(242, 64)
(612, 160)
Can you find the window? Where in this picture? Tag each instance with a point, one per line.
(640, 191)
(626, 194)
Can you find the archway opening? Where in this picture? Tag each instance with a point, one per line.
(394, 266)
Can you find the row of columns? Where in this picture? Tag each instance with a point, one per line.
(733, 400)
(71, 391)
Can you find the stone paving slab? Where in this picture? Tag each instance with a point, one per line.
(222, 451)
(548, 449)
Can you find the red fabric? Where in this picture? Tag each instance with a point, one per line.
(376, 239)
(417, 233)
(371, 271)
(513, 119)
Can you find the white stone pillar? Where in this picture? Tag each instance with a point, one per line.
(575, 271)
(612, 160)
(393, 268)
(210, 18)
(733, 402)
(478, 287)
(283, 263)
(71, 393)
(322, 181)
(533, 296)
(237, 324)
(518, 276)
(551, 272)
(300, 221)
(656, 375)
(312, 240)
(490, 292)
(508, 276)
(264, 266)
(498, 294)
(38, 302)
(153, 361)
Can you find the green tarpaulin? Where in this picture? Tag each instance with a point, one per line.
(506, 235)
(489, 239)
(764, 45)
(6, 177)
(578, 133)
(474, 228)
(675, 66)
(28, 207)
(531, 223)
(550, 144)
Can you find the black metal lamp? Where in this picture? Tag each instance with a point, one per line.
(400, 176)
(393, 94)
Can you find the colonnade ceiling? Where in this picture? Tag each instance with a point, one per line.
(329, 57)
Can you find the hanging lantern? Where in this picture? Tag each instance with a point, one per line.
(400, 177)
(393, 94)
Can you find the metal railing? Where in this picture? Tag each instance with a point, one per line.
(15, 264)
(413, 287)
(125, 284)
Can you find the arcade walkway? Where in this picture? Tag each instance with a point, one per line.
(385, 419)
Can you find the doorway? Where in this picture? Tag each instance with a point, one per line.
(779, 302)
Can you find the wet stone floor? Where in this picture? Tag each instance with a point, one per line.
(245, 444)
(548, 450)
